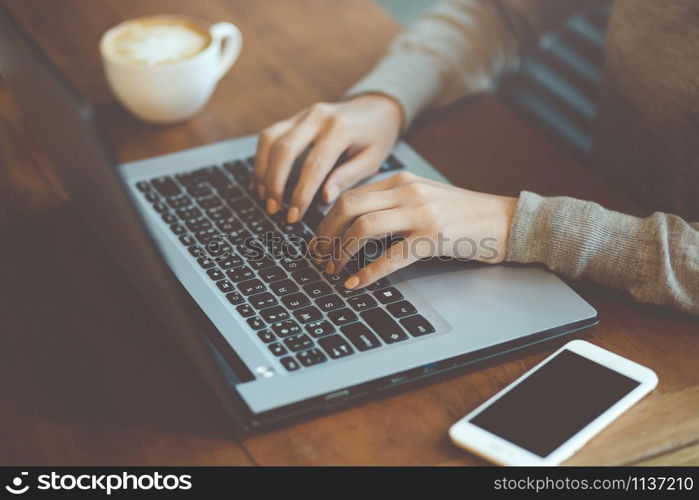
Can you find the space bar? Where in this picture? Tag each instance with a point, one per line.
(384, 325)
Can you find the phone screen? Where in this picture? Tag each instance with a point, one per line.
(555, 402)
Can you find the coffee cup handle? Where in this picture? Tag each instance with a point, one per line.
(229, 41)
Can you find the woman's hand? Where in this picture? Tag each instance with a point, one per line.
(365, 128)
(434, 219)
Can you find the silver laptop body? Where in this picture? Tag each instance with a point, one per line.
(472, 308)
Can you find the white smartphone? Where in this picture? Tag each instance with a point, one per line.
(551, 411)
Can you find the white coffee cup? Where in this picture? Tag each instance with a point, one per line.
(170, 90)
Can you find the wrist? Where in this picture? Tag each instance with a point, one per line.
(389, 109)
(505, 214)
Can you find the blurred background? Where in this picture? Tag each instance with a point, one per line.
(406, 10)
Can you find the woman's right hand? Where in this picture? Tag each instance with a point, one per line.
(366, 128)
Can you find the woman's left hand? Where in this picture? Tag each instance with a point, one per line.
(434, 220)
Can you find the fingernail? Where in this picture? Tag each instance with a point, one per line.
(351, 282)
(272, 207)
(330, 268)
(333, 191)
(293, 215)
(261, 191)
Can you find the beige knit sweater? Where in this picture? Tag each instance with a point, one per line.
(648, 133)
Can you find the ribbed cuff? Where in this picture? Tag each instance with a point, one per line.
(579, 239)
(412, 81)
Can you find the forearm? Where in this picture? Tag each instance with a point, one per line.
(459, 48)
(655, 259)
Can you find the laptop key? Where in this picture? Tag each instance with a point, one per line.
(311, 357)
(260, 227)
(266, 336)
(251, 214)
(245, 310)
(290, 363)
(187, 240)
(240, 273)
(220, 213)
(205, 262)
(417, 325)
(229, 225)
(384, 326)
(273, 273)
(277, 349)
(292, 264)
(318, 289)
(207, 235)
(388, 295)
(235, 298)
(196, 251)
(402, 308)
(230, 192)
(295, 301)
(179, 202)
(160, 207)
(382, 283)
(360, 336)
(166, 186)
(308, 314)
(297, 343)
(225, 286)
(169, 218)
(340, 277)
(320, 328)
(283, 287)
(257, 264)
(256, 323)
(199, 190)
(329, 302)
(274, 314)
(210, 202)
(304, 276)
(200, 224)
(251, 287)
(342, 316)
(178, 229)
(239, 171)
(215, 274)
(336, 346)
(238, 236)
(262, 300)
(230, 262)
(362, 302)
(286, 327)
(189, 213)
(346, 292)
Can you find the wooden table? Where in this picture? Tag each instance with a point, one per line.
(84, 379)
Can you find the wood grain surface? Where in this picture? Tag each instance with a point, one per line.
(86, 382)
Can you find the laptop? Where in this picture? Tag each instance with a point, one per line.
(273, 337)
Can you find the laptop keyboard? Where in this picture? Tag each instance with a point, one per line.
(260, 263)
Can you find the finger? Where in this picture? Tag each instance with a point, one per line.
(264, 143)
(282, 156)
(396, 257)
(370, 227)
(320, 160)
(350, 173)
(348, 207)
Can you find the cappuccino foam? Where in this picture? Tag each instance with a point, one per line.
(158, 42)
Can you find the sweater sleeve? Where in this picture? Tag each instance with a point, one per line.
(655, 259)
(459, 48)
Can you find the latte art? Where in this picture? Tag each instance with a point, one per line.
(158, 42)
